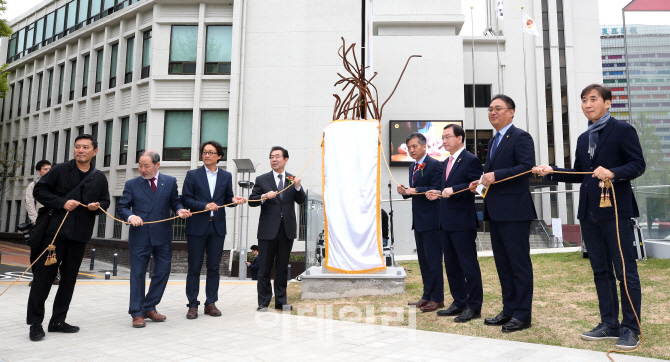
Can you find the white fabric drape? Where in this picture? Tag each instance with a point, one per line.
(351, 196)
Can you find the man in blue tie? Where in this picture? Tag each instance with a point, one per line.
(511, 152)
(425, 174)
(149, 197)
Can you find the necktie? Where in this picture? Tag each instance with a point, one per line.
(280, 186)
(153, 185)
(415, 173)
(494, 146)
(451, 161)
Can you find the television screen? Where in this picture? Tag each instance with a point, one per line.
(432, 130)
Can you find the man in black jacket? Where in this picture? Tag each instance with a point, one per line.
(277, 227)
(254, 265)
(76, 231)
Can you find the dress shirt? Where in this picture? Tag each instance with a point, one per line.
(211, 179)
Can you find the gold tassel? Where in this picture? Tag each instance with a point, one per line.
(602, 194)
(605, 199)
(51, 257)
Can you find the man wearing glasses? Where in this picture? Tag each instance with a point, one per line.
(509, 208)
(277, 227)
(206, 188)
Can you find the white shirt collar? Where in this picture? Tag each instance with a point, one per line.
(457, 153)
(422, 159)
(275, 174)
(207, 171)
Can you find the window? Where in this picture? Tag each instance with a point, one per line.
(49, 28)
(116, 229)
(60, 83)
(11, 50)
(30, 94)
(60, 23)
(30, 36)
(44, 146)
(123, 150)
(73, 78)
(20, 42)
(71, 16)
(94, 133)
(130, 54)
(96, 5)
(18, 108)
(146, 54)
(108, 143)
(24, 144)
(113, 64)
(141, 135)
(98, 72)
(214, 127)
(84, 83)
(219, 49)
(482, 95)
(483, 137)
(83, 13)
(32, 163)
(183, 49)
(51, 84)
(68, 133)
(80, 130)
(9, 213)
(11, 100)
(39, 91)
(55, 153)
(102, 224)
(178, 131)
(18, 212)
(107, 8)
(2, 113)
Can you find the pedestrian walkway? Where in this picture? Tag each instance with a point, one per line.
(99, 307)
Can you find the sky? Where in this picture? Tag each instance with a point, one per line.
(610, 13)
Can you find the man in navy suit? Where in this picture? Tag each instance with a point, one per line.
(206, 188)
(425, 174)
(511, 151)
(149, 197)
(277, 227)
(458, 223)
(254, 265)
(611, 150)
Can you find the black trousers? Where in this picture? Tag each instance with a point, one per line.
(69, 254)
(462, 267)
(273, 252)
(211, 242)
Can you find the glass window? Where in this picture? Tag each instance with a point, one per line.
(123, 150)
(72, 14)
(183, 49)
(18, 113)
(130, 55)
(98, 71)
(30, 36)
(66, 156)
(39, 31)
(51, 84)
(84, 83)
(73, 78)
(44, 146)
(219, 49)
(95, 7)
(214, 127)
(12, 47)
(108, 143)
(20, 41)
(108, 4)
(141, 135)
(55, 153)
(49, 29)
(178, 131)
(60, 83)
(146, 54)
(482, 95)
(30, 93)
(94, 133)
(83, 11)
(113, 64)
(32, 164)
(60, 20)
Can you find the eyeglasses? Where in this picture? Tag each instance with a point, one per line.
(276, 157)
(209, 153)
(496, 110)
(447, 137)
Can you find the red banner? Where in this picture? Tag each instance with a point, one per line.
(648, 5)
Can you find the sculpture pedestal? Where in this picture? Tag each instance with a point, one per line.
(317, 284)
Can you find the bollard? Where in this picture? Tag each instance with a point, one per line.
(288, 277)
(116, 260)
(92, 259)
(107, 275)
(151, 266)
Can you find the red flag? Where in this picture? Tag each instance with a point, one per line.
(648, 5)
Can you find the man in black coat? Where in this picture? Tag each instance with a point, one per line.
(254, 264)
(277, 227)
(75, 232)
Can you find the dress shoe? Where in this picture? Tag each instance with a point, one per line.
(432, 306)
(138, 322)
(515, 325)
(283, 307)
(212, 310)
(36, 332)
(262, 308)
(498, 320)
(192, 313)
(56, 281)
(422, 302)
(155, 316)
(467, 315)
(62, 327)
(451, 311)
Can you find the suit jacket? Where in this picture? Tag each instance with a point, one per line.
(254, 268)
(457, 213)
(51, 189)
(273, 209)
(425, 213)
(510, 200)
(195, 196)
(619, 151)
(138, 199)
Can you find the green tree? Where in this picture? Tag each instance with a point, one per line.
(5, 31)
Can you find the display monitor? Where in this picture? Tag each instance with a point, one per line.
(432, 130)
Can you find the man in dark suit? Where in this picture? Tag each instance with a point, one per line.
(76, 231)
(149, 197)
(458, 222)
(277, 227)
(254, 265)
(611, 150)
(511, 152)
(206, 188)
(425, 174)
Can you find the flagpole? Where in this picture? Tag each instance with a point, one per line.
(474, 113)
(525, 85)
(498, 51)
(630, 104)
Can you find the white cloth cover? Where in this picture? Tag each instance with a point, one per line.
(351, 196)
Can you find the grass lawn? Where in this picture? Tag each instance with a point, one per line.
(564, 304)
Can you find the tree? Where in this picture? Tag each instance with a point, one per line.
(5, 31)
(10, 162)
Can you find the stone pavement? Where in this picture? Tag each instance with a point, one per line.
(99, 307)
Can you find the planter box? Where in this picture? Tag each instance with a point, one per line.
(297, 268)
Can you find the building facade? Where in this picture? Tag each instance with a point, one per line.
(167, 75)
